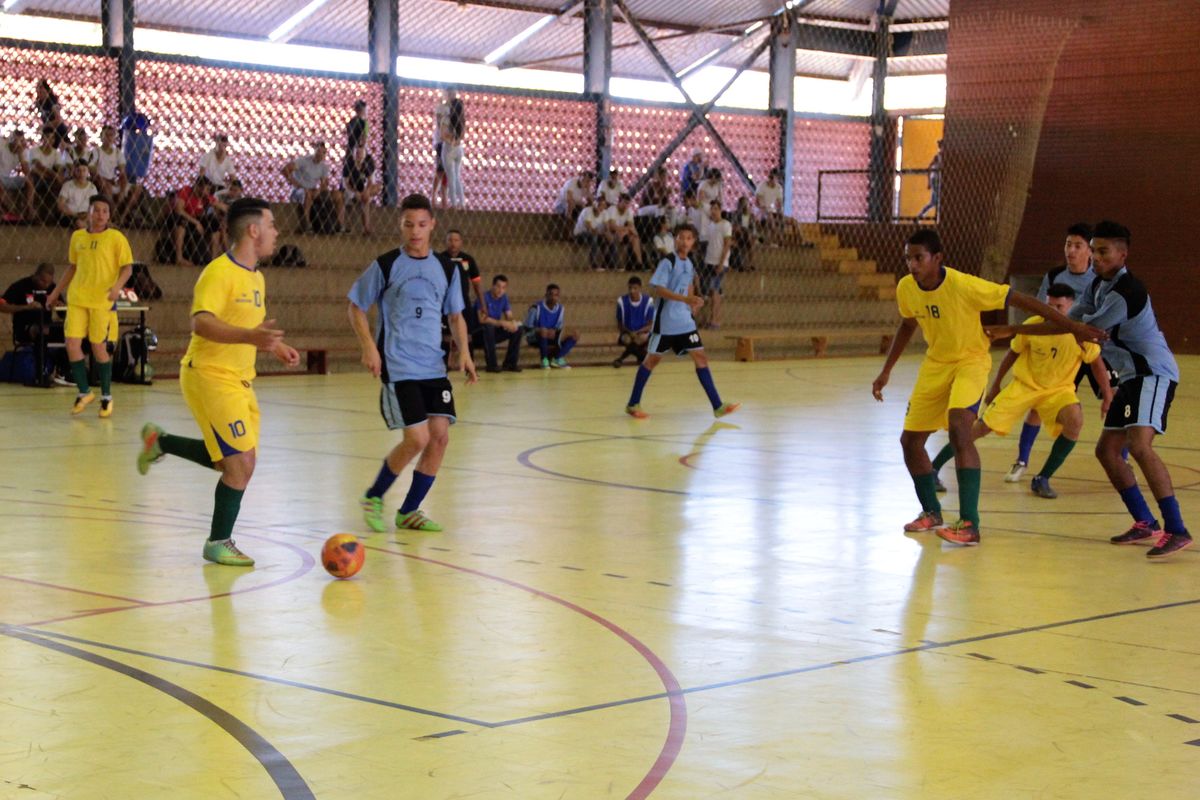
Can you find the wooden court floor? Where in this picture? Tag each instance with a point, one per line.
(618, 609)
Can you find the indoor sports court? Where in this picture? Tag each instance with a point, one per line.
(617, 608)
(688, 579)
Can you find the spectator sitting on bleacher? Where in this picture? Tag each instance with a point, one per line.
(664, 240)
(591, 229)
(75, 197)
(621, 228)
(357, 127)
(25, 299)
(574, 195)
(14, 177)
(692, 213)
(309, 177)
(692, 173)
(79, 150)
(357, 181)
(658, 191)
(612, 188)
(108, 171)
(635, 316)
(50, 112)
(194, 231)
(710, 188)
(745, 232)
(217, 164)
(544, 328)
(497, 326)
(769, 199)
(220, 208)
(45, 170)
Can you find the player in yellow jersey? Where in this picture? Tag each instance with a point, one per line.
(946, 304)
(228, 328)
(101, 263)
(1044, 373)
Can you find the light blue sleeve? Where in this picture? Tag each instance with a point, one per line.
(1084, 304)
(662, 274)
(368, 289)
(453, 304)
(1112, 312)
(1044, 289)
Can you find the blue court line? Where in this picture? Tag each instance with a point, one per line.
(285, 776)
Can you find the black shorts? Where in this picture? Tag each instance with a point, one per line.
(1141, 402)
(1085, 371)
(407, 403)
(677, 343)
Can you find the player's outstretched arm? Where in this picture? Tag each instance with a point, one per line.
(904, 333)
(1059, 323)
(122, 279)
(458, 332)
(265, 337)
(1010, 358)
(1100, 372)
(362, 329)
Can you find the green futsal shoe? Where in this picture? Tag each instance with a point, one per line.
(151, 451)
(224, 551)
(372, 508)
(417, 521)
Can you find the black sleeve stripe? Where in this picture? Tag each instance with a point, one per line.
(1134, 293)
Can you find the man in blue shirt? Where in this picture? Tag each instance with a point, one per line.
(635, 316)
(674, 329)
(545, 325)
(413, 289)
(1076, 272)
(497, 325)
(1148, 375)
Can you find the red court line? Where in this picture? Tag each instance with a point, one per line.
(15, 579)
(678, 724)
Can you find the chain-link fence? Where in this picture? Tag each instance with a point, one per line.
(501, 165)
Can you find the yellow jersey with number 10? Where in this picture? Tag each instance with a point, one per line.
(949, 314)
(236, 295)
(98, 258)
(1050, 362)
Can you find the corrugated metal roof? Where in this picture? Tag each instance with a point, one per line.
(864, 9)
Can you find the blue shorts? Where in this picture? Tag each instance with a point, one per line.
(711, 278)
(1141, 402)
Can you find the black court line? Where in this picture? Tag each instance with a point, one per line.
(14, 630)
(285, 776)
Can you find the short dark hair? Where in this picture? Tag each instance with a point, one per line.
(551, 287)
(416, 202)
(1082, 230)
(1060, 290)
(716, 203)
(634, 281)
(686, 226)
(927, 238)
(242, 213)
(1107, 229)
(43, 268)
(498, 278)
(81, 162)
(623, 196)
(97, 198)
(453, 230)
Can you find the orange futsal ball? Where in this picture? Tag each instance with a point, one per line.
(343, 555)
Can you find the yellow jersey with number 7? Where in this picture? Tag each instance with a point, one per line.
(949, 314)
(236, 295)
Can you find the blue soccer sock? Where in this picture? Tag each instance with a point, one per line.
(639, 385)
(1028, 434)
(1136, 504)
(710, 388)
(383, 481)
(1172, 519)
(544, 346)
(421, 484)
(564, 347)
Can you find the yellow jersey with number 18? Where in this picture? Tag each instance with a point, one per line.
(949, 314)
(98, 258)
(236, 295)
(1050, 362)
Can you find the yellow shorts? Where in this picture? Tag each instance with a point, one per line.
(94, 324)
(942, 386)
(225, 408)
(1016, 400)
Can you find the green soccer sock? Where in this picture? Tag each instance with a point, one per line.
(79, 375)
(225, 511)
(1058, 454)
(189, 449)
(926, 486)
(968, 493)
(105, 379)
(944, 455)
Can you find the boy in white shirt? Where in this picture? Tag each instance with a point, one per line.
(718, 236)
(621, 229)
(612, 188)
(75, 197)
(217, 165)
(108, 166)
(591, 228)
